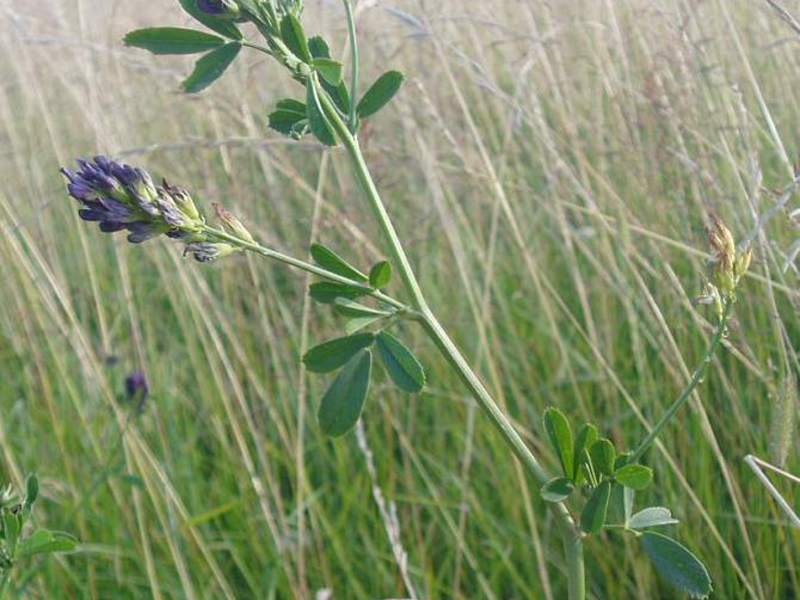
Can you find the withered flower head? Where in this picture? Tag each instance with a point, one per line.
(730, 264)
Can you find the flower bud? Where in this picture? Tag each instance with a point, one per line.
(233, 225)
(205, 252)
(227, 9)
(183, 200)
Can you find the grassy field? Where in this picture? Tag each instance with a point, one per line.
(550, 165)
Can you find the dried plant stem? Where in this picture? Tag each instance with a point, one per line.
(571, 536)
(697, 378)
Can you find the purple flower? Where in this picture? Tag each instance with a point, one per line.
(220, 8)
(136, 387)
(121, 197)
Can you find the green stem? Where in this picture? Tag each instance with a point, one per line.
(354, 53)
(571, 535)
(257, 248)
(697, 378)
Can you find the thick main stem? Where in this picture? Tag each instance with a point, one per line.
(571, 535)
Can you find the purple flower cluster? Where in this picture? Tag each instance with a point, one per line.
(121, 197)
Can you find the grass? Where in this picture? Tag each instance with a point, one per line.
(555, 162)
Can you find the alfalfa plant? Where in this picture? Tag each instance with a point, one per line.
(596, 488)
(17, 544)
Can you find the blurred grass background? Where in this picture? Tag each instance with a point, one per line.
(550, 166)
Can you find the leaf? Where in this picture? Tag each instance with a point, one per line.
(359, 323)
(11, 529)
(381, 92)
(44, 541)
(173, 40)
(288, 115)
(557, 489)
(403, 367)
(621, 460)
(677, 565)
(587, 435)
(295, 37)
(350, 308)
(603, 454)
(636, 477)
(221, 26)
(593, 516)
(560, 434)
(653, 516)
(326, 292)
(211, 67)
(319, 47)
(340, 94)
(328, 259)
(329, 69)
(31, 490)
(331, 355)
(380, 275)
(342, 404)
(317, 120)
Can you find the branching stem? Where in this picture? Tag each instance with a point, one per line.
(257, 248)
(572, 537)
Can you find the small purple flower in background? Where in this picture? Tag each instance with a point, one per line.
(137, 389)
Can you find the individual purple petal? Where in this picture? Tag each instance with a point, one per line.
(91, 214)
(112, 226)
(141, 231)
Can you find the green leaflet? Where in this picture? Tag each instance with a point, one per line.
(317, 120)
(560, 434)
(333, 354)
(330, 70)
(326, 292)
(342, 404)
(603, 454)
(381, 92)
(403, 367)
(636, 477)
(380, 275)
(44, 541)
(557, 489)
(328, 259)
(587, 435)
(653, 516)
(295, 37)
(677, 565)
(173, 40)
(594, 513)
(211, 67)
